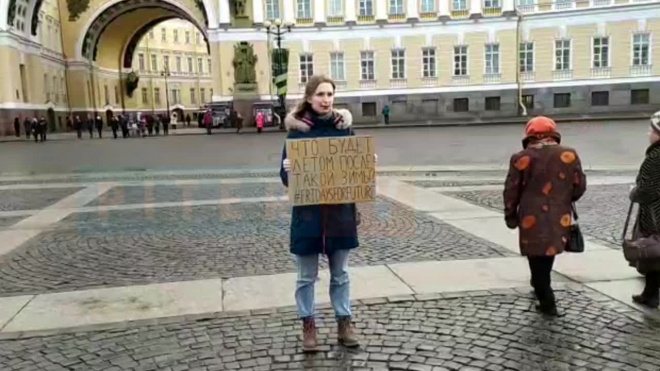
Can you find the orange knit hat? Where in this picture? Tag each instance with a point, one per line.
(540, 126)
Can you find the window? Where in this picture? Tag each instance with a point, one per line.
(178, 64)
(337, 66)
(116, 95)
(366, 8)
(200, 65)
(208, 64)
(492, 59)
(528, 101)
(304, 9)
(369, 109)
(428, 62)
(641, 48)
(639, 96)
(202, 94)
(461, 105)
(600, 98)
(335, 8)
(562, 55)
(211, 93)
(163, 35)
(601, 52)
(176, 36)
(367, 65)
(106, 95)
(398, 64)
(492, 103)
(157, 95)
(460, 60)
(306, 67)
(192, 96)
(190, 65)
(562, 100)
(396, 6)
(154, 62)
(55, 90)
(141, 61)
(197, 37)
(272, 9)
(492, 4)
(526, 2)
(176, 96)
(187, 37)
(151, 34)
(428, 6)
(166, 63)
(145, 96)
(526, 57)
(460, 5)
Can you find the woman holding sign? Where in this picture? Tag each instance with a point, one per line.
(321, 229)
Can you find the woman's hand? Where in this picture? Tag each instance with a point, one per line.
(286, 164)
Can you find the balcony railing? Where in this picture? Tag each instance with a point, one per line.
(526, 9)
(305, 21)
(335, 20)
(396, 17)
(398, 83)
(367, 84)
(641, 70)
(492, 78)
(341, 84)
(601, 72)
(559, 75)
(563, 5)
(460, 13)
(366, 18)
(528, 76)
(430, 81)
(602, 2)
(428, 15)
(464, 79)
(493, 12)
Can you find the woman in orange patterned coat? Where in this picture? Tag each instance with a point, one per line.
(544, 179)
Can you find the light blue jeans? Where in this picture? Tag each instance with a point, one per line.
(308, 270)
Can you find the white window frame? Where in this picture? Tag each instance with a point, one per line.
(428, 6)
(525, 2)
(187, 37)
(400, 59)
(425, 62)
(178, 64)
(166, 63)
(570, 55)
(492, 4)
(141, 64)
(494, 63)
(343, 66)
(272, 9)
(335, 8)
(145, 96)
(371, 58)
(154, 62)
(303, 78)
(193, 98)
(191, 65)
(200, 65)
(593, 51)
(208, 65)
(459, 5)
(527, 51)
(157, 96)
(175, 36)
(396, 7)
(303, 9)
(362, 10)
(467, 60)
(649, 45)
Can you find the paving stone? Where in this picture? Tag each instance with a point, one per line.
(32, 199)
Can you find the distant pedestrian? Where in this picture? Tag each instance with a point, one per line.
(35, 129)
(69, 123)
(166, 125)
(150, 125)
(543, 182)
(77, 124)
(99, 126)
(208, 121)
(157, 125)
(90, 126)
(386, 114)
(27, 127)
(114, 125)
(17, 127)
(261, 119)
(43, 128)
(124, 126)
(188, 120)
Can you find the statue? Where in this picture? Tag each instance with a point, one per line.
(244, 64)
(239, 8)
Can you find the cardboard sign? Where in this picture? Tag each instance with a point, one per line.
(335, 170)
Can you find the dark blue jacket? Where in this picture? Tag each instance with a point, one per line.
(320, 229)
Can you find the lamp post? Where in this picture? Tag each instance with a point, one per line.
(166, 74)
(278, 30)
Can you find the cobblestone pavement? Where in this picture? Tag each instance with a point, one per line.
(492, 332)
(32, 199)
(182, 243)
(454, 183)
(9, 221)
(180, 193)
(602, 210)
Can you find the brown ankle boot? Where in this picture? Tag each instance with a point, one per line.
(310, 344)
(346, 333)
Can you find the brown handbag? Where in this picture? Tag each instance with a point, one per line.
(643, 248)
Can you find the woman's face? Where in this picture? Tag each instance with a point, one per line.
(323, 99)
(653, 136)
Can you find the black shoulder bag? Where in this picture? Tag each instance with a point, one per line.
(575, 239)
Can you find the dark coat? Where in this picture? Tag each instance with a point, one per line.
(319, 229)
(543, 180)
(647, 195)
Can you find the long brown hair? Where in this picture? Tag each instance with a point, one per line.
(313, 84)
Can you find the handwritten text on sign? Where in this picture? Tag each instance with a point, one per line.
(336, 170)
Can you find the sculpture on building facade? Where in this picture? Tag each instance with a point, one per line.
(76, 8)
(244, 64)
(239, 8)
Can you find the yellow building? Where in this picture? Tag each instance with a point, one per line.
(426, 59)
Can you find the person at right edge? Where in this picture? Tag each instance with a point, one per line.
(647, 194)
(543, 181)
(321, 229)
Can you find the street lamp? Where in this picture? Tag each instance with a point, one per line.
(166, 74)
(276, 29)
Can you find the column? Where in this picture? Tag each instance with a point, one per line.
(412, 10)
(258, 12)
(350, 11)
(225, 15)
(319, 12)
(508, 7)
(475, 9)
(444, 11)
(381, 10)
(289, 16)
